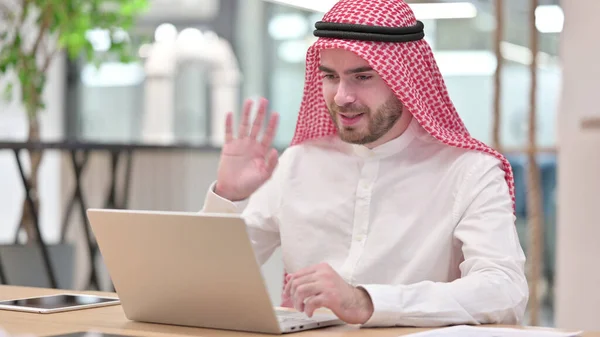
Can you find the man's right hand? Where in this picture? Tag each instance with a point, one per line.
(246, 162)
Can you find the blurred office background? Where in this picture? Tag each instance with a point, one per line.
(234, 49)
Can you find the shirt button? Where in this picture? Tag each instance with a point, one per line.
(360, 237)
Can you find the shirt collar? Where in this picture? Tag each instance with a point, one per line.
(392, 147)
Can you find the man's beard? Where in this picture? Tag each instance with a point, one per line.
(379, 123)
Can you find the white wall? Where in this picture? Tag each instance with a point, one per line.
(473, 97)
(578, 228)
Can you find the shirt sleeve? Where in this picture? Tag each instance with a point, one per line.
(261, 212)
(492, 288)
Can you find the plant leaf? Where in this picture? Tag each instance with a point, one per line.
(68, 22)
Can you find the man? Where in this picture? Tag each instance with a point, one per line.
(387, 212)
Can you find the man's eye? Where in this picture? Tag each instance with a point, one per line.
(363, 77)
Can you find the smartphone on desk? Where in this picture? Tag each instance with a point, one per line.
(57, 303)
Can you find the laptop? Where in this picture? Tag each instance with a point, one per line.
(191, 269)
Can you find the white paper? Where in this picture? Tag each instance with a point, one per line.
(479, 331)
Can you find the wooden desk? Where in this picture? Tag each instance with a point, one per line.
(112, 320)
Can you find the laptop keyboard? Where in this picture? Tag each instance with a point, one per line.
(292, 317)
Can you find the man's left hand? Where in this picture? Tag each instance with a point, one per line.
(320, 286)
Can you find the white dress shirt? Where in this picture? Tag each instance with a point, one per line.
(427, 229)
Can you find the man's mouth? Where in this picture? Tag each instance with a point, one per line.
(351, 118)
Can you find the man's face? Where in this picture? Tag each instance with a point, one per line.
(362, 106)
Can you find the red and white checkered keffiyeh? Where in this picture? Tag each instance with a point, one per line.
(408, 68)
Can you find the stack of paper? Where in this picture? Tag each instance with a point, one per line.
(479, 331)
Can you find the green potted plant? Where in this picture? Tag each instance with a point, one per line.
(32, 33)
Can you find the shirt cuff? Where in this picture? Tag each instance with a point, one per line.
(386, 305)
(214, 203)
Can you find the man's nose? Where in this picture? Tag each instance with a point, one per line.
(344, 96)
